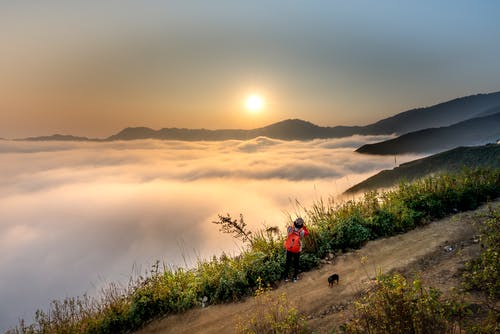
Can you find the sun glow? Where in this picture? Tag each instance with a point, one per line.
(254, 103)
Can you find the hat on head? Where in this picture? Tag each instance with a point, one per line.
(299, 222)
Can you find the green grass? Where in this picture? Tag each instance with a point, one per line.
(452, 161)
(484, 273)
(399, 305)
(333, 228)
(271, 314)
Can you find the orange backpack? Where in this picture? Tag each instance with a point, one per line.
(292, 243)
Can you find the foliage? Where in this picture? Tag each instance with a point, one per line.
(350, 233)
(222, 279)
(399, 306)
(272, 314)
(237, 228)
(490, 324)
(333, 227)
(484, 272)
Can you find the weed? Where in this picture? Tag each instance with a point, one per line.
(400, 306)
(272, 314)
(484, 273)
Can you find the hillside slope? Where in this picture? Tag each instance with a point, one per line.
(439, 115)
(449, 161)
(422, 249)
(476, 131)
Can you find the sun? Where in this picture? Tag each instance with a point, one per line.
(254, 103)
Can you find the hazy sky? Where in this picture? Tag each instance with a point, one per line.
(94, 67)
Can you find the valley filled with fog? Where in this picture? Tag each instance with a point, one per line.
(76, 216)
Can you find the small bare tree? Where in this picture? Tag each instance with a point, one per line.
(238, 228)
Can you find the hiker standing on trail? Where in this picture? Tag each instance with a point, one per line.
(293, 246)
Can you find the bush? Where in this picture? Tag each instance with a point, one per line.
(272, 314)
(484, 273)
(266, 267)
(382, 223)
(222, 279)
(308, 261)
(399, 306)
(350, 233)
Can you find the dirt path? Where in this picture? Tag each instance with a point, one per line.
(422, 249)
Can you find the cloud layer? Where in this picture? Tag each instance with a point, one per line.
(75, 216)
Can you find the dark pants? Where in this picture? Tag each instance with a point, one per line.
(292, 258)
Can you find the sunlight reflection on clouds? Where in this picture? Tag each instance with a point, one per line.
(75, 215)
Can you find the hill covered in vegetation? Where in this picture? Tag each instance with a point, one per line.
(446, 162)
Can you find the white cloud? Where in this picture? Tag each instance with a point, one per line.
(76, 214)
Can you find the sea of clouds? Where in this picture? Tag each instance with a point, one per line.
(75, 216)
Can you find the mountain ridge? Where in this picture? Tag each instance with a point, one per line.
(449, 112)
(442, 114)
(475, 131)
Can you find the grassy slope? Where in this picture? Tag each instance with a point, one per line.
(449, 161)
(420, 250)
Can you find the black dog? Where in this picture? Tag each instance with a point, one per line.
(333, 278)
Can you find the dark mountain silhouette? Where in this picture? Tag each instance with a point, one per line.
(58, 137)
(291, 129)
(442, 114)
(439, 115)
(489, 112)
(476, 131)
(449, 161)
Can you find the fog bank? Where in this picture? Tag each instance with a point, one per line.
(75, 216)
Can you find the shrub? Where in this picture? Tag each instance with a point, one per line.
(399, 306)
(484, 273)
(163, 293)
(266, 267)
(272, 314)
(382, 223)
(350, 233)
(308, 261)
(222, 279)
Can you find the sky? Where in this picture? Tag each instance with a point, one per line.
(92, 68)
(76, 217)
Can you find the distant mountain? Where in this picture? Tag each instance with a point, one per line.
(489, 112)
(476, 131)
(442, 114)
(439, 115)
(291, 129)
(449, 161)
(58, 137)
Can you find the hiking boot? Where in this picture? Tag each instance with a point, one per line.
(295, 280)
(286, 279)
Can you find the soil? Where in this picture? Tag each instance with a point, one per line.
(438, 251)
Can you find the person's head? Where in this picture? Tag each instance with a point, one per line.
(298, 223)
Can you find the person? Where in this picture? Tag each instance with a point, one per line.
(293, 246)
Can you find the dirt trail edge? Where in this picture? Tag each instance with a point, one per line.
(438, 249)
